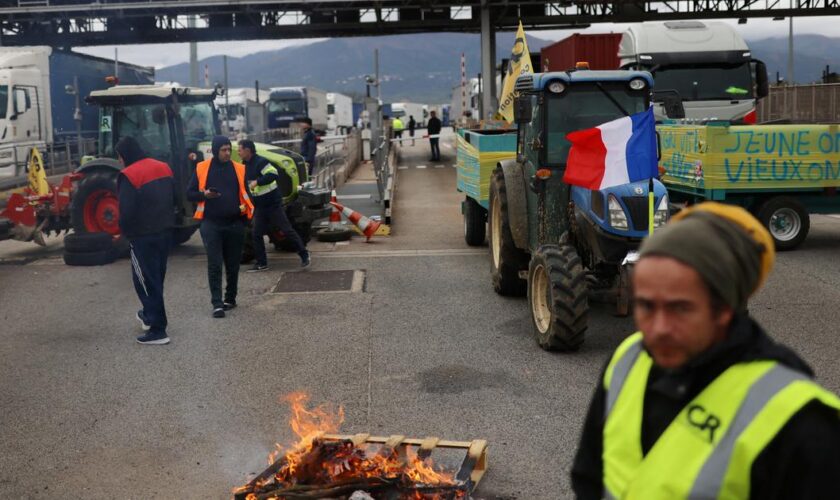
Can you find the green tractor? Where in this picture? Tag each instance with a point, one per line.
(174, 125)
(560, 244)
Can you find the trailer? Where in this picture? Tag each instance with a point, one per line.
(599, 50)
(287, 105)
(339, 113)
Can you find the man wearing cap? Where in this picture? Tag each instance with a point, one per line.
(701, 402)
(224, 208)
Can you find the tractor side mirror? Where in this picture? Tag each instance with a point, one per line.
(522, 110)
(762, 86)
(671, 102)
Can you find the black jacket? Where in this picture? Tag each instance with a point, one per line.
(253, 172)
(308, 147)
(222, 177)
(802, 461)
(146, 191)
(433, 127)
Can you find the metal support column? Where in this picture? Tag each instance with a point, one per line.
(488, 59)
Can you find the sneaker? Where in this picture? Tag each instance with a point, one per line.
(257, 268)
(153, 339)
(142, 319)
(229, 305)
(305, 260)
(219, 312)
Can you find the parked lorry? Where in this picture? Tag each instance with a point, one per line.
(171, 124)
(705, 64)
(38, 99)
(555, 243)
(781, 173)
(292, 104)
(404, 110)
(234, 109)
(339, 113)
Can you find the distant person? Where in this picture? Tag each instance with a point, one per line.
(412, 124)
(433, 128)
(224, 208)
(308, 146)
(262, 178)
(146, 191)
(398, 127)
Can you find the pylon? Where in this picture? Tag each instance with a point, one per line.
(367, 226)
(335, 215)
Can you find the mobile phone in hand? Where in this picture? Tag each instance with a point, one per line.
(213, 190)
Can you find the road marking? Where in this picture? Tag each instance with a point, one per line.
(833, 216)
(439, 166)
(333, 254)
(402, 168)
(421, 166)
(353, 197)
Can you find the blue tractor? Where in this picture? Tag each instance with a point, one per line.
(563, 245)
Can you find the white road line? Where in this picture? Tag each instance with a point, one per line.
(353, 197)
(439, 166)
(402, 168)
(421, 166)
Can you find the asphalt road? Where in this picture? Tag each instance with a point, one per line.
(425, 349)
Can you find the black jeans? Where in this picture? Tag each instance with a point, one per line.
(223, 243)
(433, 141)
(148, 270)
(273, 217)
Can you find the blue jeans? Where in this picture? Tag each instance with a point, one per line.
(148, 270)
(223, 243)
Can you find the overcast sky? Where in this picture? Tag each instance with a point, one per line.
(160, 55)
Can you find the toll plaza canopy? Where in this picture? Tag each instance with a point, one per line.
(69, 23)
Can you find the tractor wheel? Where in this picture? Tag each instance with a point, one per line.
(506, 260)
(475, 223)
(557, 296)
(787, 220)
(303, 230)
(98, 258)
(182, 234)
(88, 242)
(95, 208)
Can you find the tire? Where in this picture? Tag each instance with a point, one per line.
(334, 235)
(88, 242)
(506, 260)
(475, 223)
(181, 235)
(94, 207)
(787, 220)
(557, 298)
(99, 258)
(303, 230)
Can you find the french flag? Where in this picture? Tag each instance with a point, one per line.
(615, 153)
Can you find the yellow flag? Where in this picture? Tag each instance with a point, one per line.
(520, 64)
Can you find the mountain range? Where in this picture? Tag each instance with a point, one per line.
(425, 67)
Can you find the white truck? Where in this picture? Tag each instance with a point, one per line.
(287, 105)
(339, 113)
(234, 113)
(39, 98)
(405, 110)
(706, 65)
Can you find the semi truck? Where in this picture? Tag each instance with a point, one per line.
(287, 105)
(339, 113)
(405, 110)
(41, 99)
(233, 108)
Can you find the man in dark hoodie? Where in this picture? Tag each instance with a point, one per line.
(262, 178)
(224, 208)
(702, 403)
(146, 190)
(308, 145)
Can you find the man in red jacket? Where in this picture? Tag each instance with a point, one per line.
(146, 189)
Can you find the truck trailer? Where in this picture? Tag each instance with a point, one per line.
(405, 110)
(287, 105)
(599, 50)
(233, 108)
(39, 98)
(339, 113)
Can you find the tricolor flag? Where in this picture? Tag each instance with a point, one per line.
(615, 153)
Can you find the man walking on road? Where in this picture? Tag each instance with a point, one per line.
(146, 189)
(224, 208)
(412, 124)
(308, 146)
(701, 402)
(268, 205)
(433, 128)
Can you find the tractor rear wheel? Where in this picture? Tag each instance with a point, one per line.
(557, 297)
(506, 260)
(95, 207)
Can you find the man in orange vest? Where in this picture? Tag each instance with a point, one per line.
(224, 208)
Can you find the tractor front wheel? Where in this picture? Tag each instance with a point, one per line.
(506, 260)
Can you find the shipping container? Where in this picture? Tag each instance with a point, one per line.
(599, 50)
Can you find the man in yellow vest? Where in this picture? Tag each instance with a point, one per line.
(702, 403)
(224, 207)
(398, 127)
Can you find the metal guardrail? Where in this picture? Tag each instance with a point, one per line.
(383, 169)
(58, 159)
(808, 103)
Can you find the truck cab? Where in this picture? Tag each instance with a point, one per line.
(706, 65)
(25, 121)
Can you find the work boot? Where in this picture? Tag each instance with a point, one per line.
(305, 259)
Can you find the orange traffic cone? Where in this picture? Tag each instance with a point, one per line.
(367, 226)
(335, 215)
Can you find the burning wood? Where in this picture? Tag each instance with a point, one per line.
(324, 465)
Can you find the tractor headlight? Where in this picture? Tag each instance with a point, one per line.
(618, 219)
(660, 216)
(637, 84)
(556, 87)
(286, 163)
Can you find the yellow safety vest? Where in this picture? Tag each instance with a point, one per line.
(267, 188)
(709, 449)
(397, 124)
